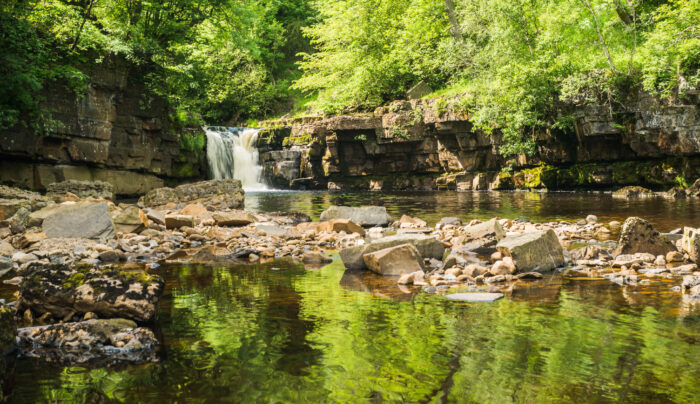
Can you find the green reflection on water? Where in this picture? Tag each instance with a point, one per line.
(279, 333)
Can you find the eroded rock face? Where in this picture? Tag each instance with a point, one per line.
(85, 341)
(81, 189)
(367, 216)
(428, 247)
(82, 220)
(393, 261)
(214, 194)
(538, 251)
(639, 236)
(107, 291)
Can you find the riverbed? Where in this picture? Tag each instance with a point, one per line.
(283, 332)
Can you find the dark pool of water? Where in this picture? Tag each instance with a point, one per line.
(535, 206)
(280, 333)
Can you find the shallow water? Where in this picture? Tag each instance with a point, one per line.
(665, 214)
(280, 332)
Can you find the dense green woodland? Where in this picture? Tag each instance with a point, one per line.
(514, 62)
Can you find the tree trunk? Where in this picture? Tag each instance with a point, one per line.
(454, 22)
(600, 36)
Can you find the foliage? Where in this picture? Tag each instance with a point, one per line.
(193, 142)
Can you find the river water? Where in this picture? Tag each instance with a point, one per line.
(280, 332)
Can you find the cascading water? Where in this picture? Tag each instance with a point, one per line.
(231, 153)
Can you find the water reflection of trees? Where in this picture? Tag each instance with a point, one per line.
(252, 334)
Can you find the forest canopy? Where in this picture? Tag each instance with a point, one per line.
(513, 61)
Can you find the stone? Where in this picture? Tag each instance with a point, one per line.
(81, 220)
(475, 297)
(12, 199)
(628, 260)
(503, 267)
(22, 258)
(407, 222)
(178, 221)
(397, 260)
(196, 210)
(215, 194)
(690, 243)
(592, 219)
(22, 241)
(674, 256)
(633, 192)
(130, 220)
(483, 237)
(111, 256)
(638, 236)
(536, 251)
(8, 331)
(428, 247)
(366, 216)
(6, 249)
(234, 218)
(113, 339)
(338, 225)
(453, 221)
(106, 291)
(81, 189)
(156, 216)
(591, 252)
(315, 257)
(675, 193)
(694, 190)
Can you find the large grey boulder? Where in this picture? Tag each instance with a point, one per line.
(215, 194)
(81, 189)
(63, 290)
(81, 220)
(428, 247)
(483, 237)
(536, 251)
(368, 216)
(394, 261)
(639, 236)
(690, 243)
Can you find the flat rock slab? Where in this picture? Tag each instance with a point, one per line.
(80, 220)
(364, 216)
(475, 297)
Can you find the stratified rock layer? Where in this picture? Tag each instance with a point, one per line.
(214, 194)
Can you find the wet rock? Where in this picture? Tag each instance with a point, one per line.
(107, 291)
(178, 221)
(428, 247)
(86, 341)
(694, 190)
(638, 236)
(214, 194)
(475, 297)
(503, 267)
(130, 220)
(689, 282)
(690, 243)
(413, 277)
(483, 237)
(633, 192)
(234, 218)
(675, 193)
(315, 257)
(536, 251)
(8, 329)
(397, 260)
(81, 189)
(367, 216)
(82, 220)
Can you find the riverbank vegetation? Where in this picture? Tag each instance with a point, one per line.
(513, 61)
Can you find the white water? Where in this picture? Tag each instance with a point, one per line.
(231, 153)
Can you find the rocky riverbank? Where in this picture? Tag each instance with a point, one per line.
(86, 268)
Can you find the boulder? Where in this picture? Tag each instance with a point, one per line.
(638, 236)
(130, 220)
(196, 210)
(633, 192)
(407, 222)
(156, 216)
(397, 260)
(483, 237)
(8, 329)
(234, 218)
(428, 247)
(215, 194)
(591, 252)
(81, 220)
(367, 216)
(80, 342)
(177, 221)
(536, 251)
(81, 189)
(338, 225)
(62, 290)
(690, 243)
(315, 257)
(694, 190)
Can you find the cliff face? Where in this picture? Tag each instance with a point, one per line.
(431, 144)
(114, 133)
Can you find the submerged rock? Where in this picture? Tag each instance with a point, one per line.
(536, 251)
(367, 216)
(397, 260)
(638, 236)
(81, 189)
(64, 291)
(81, 220)
(428, 247)
(85, 341)
(215, 194)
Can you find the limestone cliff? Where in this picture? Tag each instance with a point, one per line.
(431, 144)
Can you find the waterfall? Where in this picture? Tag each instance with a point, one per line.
(231, 153)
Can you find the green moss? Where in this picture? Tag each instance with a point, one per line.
(185, 170)
(543, 176)
(301, 140)
(440, 107)
(75, 280)
(193, 143)
(272, 138)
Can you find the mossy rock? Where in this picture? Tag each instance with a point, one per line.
(504, 181)
(8, 330)
(272, 138)
(633, 192)
(302, 140)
